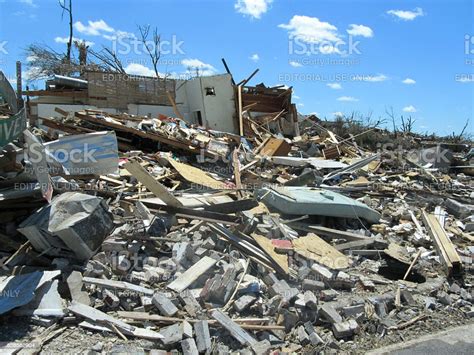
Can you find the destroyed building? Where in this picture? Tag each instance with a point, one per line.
(205, 216)
(214, 102)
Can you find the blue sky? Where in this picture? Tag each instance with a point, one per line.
(413, 56)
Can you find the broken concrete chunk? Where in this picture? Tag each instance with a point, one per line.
(203, 338)
(234, 329)
(188, 346)
(345, 329)
(313, 285)
(172, 334)
(329, 313)
(352, 311)
(164, 305)
(110, 299)
(310, 300)
(244, 302)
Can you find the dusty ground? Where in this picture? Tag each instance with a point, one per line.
(78, 340)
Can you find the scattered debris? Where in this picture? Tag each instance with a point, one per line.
(173, 234)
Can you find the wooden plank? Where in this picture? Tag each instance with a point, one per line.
(61, 93)
(102, 318)
(232, 207)
(245, 323)
(197, 214)
(175, 108)
(275, 147)
(147, 135)
(151, 184)
(326, 232)
(118, 285)
(356, 244)
(239, 110)
(233, 328)
(443, 244)
(314, 248)
(244, 245)
(279, 260)
(191, 275)
(236, 168)
(197, 176)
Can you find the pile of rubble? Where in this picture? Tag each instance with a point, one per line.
(136, 234)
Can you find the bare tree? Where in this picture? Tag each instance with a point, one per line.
(108, 60)
(407, 124)
(44, 61)
(152, 48)
(391, 115)
(68, 8)
(460, 136)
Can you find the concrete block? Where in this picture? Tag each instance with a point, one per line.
(345, 329)
(164, 305)
(313, 285)
(203, 338)
(188, 346)
(244, 302)
(327, 312)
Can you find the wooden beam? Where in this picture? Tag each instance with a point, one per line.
(61, 93)
(190, 275)
(245, 81)
(175, 108)
(228, 70)
(443, 244)
(239, 110)
(151, 183)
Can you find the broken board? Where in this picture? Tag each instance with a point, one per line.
(314, 248)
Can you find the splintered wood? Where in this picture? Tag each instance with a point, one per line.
(151, 184)
(443, 244)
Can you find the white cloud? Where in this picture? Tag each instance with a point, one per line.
(29, 3)
(296, 97)
(409, 108)
(360, 30)
(300, 105)
(311, 29)
(406, 15)
(335, 86)
(338, 114)
(254, 57)
(409, 81)
(94, 28)
(139, 69)
(253, 8)
(192, 65)
(295, 64)
(74, 39)
(347, 99)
